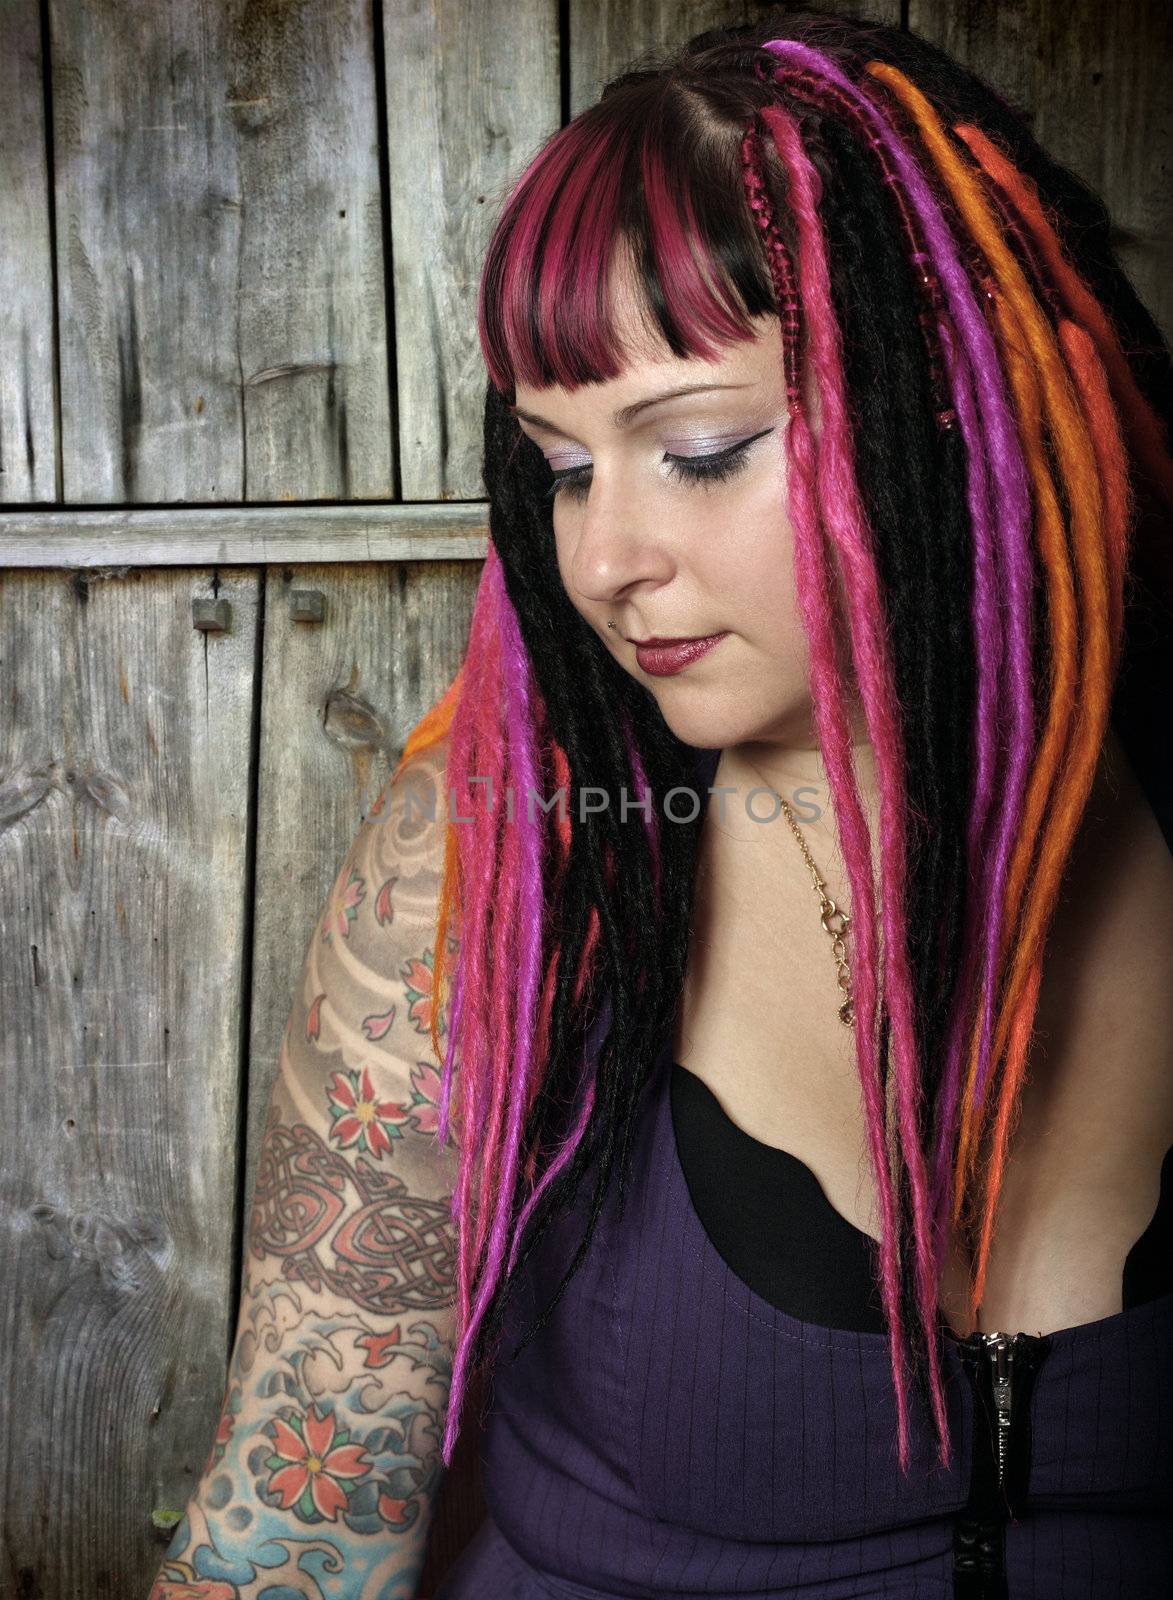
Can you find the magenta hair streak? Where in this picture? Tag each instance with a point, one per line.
(493, 736)
(841, 517)
(544, 312)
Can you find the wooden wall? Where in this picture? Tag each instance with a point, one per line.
(238, 363)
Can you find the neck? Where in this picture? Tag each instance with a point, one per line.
(794, 765)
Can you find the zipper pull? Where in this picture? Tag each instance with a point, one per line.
(1000, 1470)
(1000, 1354)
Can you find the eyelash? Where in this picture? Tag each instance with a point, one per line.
(691, 469)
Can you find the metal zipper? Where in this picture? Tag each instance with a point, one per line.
(1010, 1359)
(999, 1348)
(999, 1351)
(1001, 1366)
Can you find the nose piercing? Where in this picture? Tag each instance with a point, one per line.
(610, 624)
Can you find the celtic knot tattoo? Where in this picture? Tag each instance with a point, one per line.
(349, 1228)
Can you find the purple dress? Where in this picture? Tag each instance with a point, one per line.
(673, 1432)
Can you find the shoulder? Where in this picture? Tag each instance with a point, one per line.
(367, 985)
(1106, 1001)
(409, 818)
(1083, 1172)
(388, 883)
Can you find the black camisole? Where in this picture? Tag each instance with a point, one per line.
(768, 1217)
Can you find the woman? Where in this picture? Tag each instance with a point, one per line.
(806, 1108)
(800, 350)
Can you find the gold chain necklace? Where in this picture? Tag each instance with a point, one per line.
(836, 922)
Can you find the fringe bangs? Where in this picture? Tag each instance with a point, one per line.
(636, 180)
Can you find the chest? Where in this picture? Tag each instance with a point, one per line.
(758, 1024)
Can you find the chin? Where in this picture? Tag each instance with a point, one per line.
(693, 716)
(709, 719)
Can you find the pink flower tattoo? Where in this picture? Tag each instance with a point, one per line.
(314, 1469)
(359, 1118)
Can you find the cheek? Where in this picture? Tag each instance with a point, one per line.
(562, 554)
(738, 559)
(750, 559)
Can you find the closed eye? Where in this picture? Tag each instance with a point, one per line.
(576, 481)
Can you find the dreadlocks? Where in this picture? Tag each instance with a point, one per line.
(989, 475)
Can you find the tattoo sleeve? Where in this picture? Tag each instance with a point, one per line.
(322, 1475)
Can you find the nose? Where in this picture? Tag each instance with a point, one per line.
(616, 545)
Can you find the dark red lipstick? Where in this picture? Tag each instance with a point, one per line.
(662, 657)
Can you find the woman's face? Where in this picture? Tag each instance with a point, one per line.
(645, 543)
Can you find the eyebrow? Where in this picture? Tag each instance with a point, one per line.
(624, 417)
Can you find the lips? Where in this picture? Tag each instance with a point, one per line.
(663, 657)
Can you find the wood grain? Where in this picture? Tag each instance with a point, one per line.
(618, 34)
(28, 425)
(125, 776)
(472, 92)
(232, 535)
(222, 316)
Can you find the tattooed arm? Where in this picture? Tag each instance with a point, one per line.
(321, 1479)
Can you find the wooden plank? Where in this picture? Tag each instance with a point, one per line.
(222, 324)
(1095, 84)
(472, 92)
(28, 427)
(234, 535)
(125, 753)
(607, 38)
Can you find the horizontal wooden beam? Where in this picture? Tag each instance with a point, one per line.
(218, 536)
